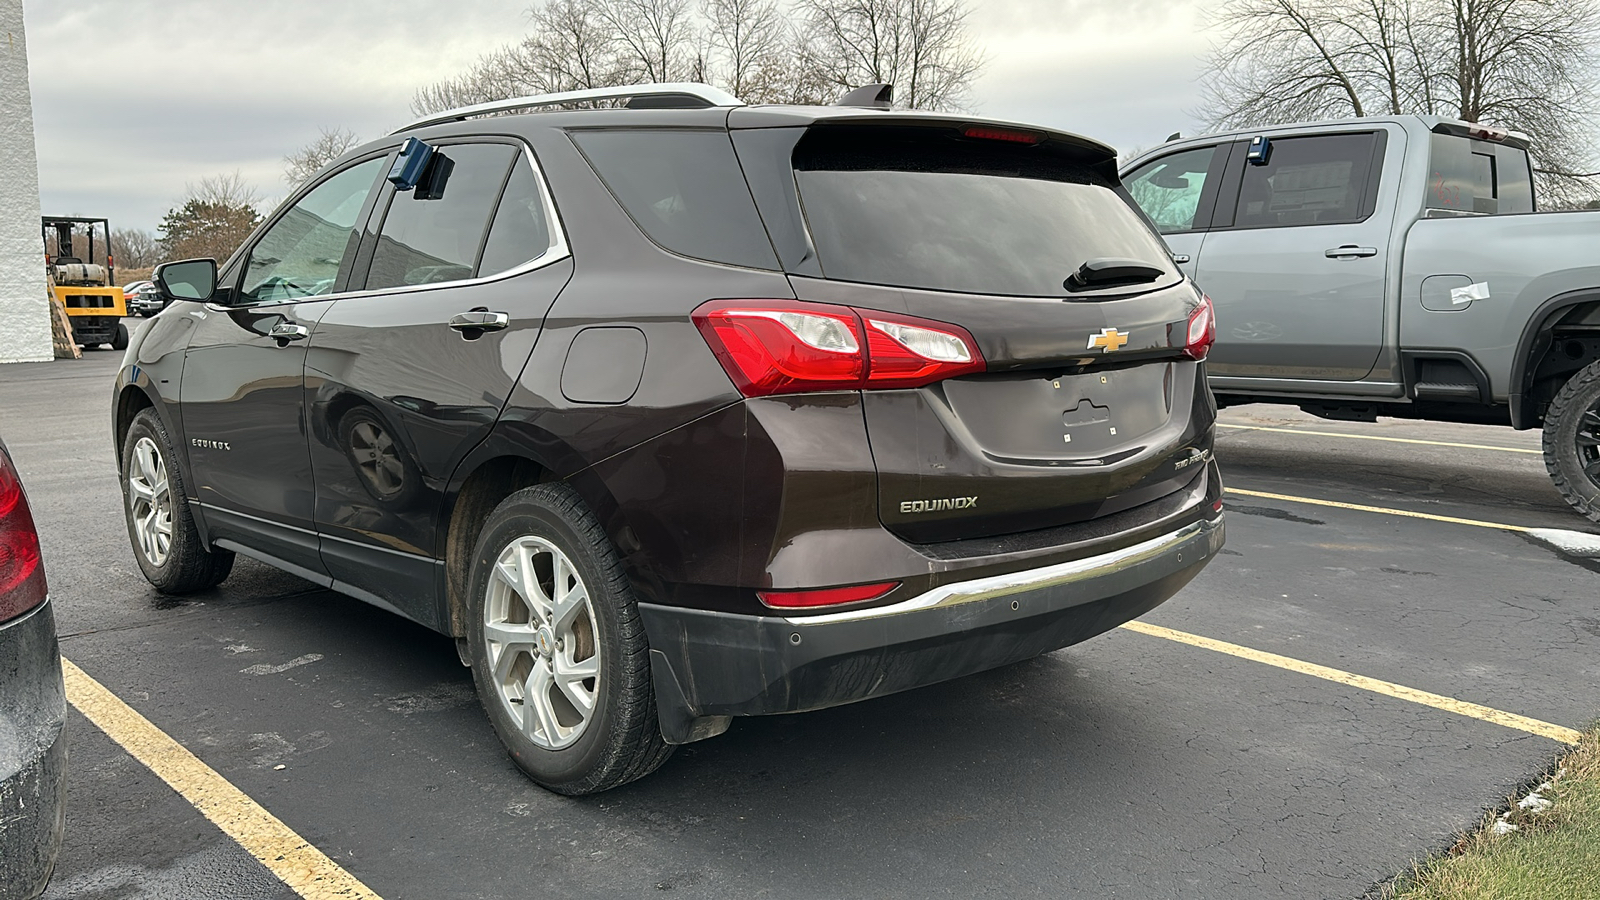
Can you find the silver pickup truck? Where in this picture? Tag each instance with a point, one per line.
(1390, 266)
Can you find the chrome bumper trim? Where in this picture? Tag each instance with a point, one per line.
(995, 586)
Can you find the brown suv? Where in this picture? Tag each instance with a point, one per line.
(686, 410)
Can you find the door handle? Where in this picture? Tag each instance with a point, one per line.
(284, 332)
(1180, 258)
(1350, 251)
(480, 320)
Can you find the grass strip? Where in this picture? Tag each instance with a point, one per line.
(1553, 854)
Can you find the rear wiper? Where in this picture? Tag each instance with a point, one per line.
(1111, 271)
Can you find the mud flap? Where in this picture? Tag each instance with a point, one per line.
(679, 724)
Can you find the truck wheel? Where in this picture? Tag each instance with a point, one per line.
(1572, 441)
(166, 542)
(558, 651)
(119, 338)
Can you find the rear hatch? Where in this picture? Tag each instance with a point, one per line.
(1087, 403)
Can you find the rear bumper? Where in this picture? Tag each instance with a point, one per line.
(711, 665)
(33, 753)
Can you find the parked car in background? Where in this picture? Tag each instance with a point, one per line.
(143, 298)
(587, 390)
(1391, 266)
(33, 753)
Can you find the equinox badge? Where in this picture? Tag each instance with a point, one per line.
(924, 506)
(1108, 339)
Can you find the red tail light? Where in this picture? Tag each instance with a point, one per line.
(810, 599)
(791, 347)
(1202, 330)
(22, 584)
(983, 132)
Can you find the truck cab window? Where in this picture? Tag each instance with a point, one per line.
(1320, 180)
(1168, 189)
(1472, 176)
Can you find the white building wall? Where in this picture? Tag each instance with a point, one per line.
(24, 303)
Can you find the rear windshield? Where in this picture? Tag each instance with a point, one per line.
(935, 210)
(1478, 176)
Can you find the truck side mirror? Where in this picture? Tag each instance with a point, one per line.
(190, 279)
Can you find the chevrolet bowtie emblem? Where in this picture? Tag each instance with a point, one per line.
(1108, 339)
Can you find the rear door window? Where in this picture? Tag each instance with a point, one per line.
(1467, 175)
(685, 190)
(436, 235)
(923, 209)
(1318, 180)
(1169, 189)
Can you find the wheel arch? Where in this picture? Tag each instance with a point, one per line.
(1542, 361)
(131, 400)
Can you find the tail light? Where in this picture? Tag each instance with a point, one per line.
(22, 584)
(1202, 330)
(815, 597)
(790, 347)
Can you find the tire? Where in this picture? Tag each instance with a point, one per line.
(154, 501)
(1572, 441)
(540, 647)
(119, 340)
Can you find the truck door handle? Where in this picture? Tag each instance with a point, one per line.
(1350, 251)
(1180, 258)
(480, 320)
(284, 332)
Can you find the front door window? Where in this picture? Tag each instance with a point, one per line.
(1168, 189)
(303, 253)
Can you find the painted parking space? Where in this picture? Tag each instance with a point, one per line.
(1130, 766)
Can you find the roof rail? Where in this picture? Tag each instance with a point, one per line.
(692, 95)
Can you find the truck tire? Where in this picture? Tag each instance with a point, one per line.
(1572, 441)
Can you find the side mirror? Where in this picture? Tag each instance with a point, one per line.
(190, 279)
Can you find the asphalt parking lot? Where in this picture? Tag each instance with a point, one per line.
(1133, 765)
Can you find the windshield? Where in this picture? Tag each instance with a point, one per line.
(953, 214)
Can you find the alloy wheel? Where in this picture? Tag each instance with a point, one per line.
(150, 500)
(539, 627)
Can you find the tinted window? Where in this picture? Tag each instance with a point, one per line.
(686, 191)
(1478, 176)
(923, 211)
(1168, 190)
(302, 253)
(433, 233)
(1308, 181)
(521, 230)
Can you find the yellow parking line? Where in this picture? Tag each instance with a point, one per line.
(305, 869)
(1454, 520)
(1401, 692)
(1376, 437)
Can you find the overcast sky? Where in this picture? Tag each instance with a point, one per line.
(134, 99)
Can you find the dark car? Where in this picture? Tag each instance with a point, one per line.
(689, 410)
(33, 707)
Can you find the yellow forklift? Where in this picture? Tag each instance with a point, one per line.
(87, 290)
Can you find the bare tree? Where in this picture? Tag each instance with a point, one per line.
(751, 47)
(331, 143)
(657, 36)
(920, 46)
(751, 43)
(1526, 65)
(135, 248)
